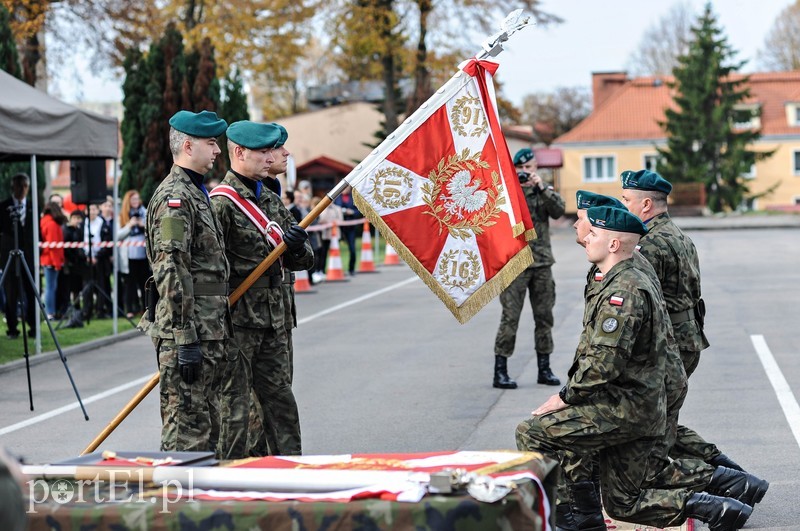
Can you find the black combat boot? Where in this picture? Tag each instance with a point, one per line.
(564, 519)
(587, 513)
(724, 460)
(501, 379)
(741, 486)
(721, 514)
(546, 376)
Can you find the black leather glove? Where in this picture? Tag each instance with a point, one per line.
(295, 239)
(190, 362)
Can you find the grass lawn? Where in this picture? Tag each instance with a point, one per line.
(12, 349)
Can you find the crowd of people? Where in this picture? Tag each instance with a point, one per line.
(76, 258)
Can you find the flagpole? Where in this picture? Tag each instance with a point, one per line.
(492, 47)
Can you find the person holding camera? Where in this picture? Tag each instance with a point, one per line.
(133, 255)
(544, 203)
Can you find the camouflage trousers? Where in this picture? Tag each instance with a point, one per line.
(210, 414)
(571, 436)
(538, 283)
(688, 443)
(271, 370)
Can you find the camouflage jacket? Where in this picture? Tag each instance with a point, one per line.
(676, 379)
(674, 257)
(187, 253)
(619, 368)
(246, 247)
(543, 205)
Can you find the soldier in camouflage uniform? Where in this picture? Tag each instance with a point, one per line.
(259, 316)
(281, 155)
(12, 506)
(614, 403)
(198, 366)
(537, 280)
(674, 258)
(663, 472)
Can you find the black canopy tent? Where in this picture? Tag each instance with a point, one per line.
(35, 126)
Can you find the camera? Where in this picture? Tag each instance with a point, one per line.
(523, 176)
(15, 212)
(135, 213)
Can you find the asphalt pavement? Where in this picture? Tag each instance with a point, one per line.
(382, 366)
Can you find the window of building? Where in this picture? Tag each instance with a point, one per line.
(650, 162)
(747, 116)
(751, 173)
(796, 162)
(599, 169)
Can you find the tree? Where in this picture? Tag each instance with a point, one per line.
(9, 62)
(232, 107)
(157, 85)
(9, 57)
(782, 45)
(703, 142)
(663, 42)
(554, 113)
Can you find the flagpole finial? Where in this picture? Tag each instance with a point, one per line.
(515, 21)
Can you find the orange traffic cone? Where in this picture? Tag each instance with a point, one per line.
(335, 273)
(367, 264)
(390, 258)
(301, 283)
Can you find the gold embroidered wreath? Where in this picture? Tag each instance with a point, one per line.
(468, 107)
(452, 281)
(379, 185)
(459, 226)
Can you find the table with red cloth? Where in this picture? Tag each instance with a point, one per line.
(102, 506)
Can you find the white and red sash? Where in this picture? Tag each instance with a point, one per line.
(269, 229)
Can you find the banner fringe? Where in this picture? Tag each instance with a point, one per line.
(482, 296)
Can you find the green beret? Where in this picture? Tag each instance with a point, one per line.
(615, 219)
(284, 135)
(645, 180)
(204, 124)
(590, 199)
(522, 156)
(252, 135)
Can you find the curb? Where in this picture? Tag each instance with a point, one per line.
(36, 359)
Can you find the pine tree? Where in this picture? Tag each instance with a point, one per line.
(133, 124)
(232, 108)
(9, 62)
(9, 57)
(703, 144)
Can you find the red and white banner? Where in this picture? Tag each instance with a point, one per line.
(447, 196)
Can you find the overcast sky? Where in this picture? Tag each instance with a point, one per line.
(596, 36)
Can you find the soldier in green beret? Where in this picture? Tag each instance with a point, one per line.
(536, 281)
(281, 154)
(191, 323)
(614, 402)
(254, 222)
(674, 258)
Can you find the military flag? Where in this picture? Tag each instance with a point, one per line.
(445, 194)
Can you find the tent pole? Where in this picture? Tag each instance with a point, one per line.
(115, 226)
(36, 251)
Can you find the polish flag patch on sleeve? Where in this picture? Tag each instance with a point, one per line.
(598, 276)
(174, 202)
(616, 301)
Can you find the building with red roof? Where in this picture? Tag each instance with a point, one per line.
(623, 130)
